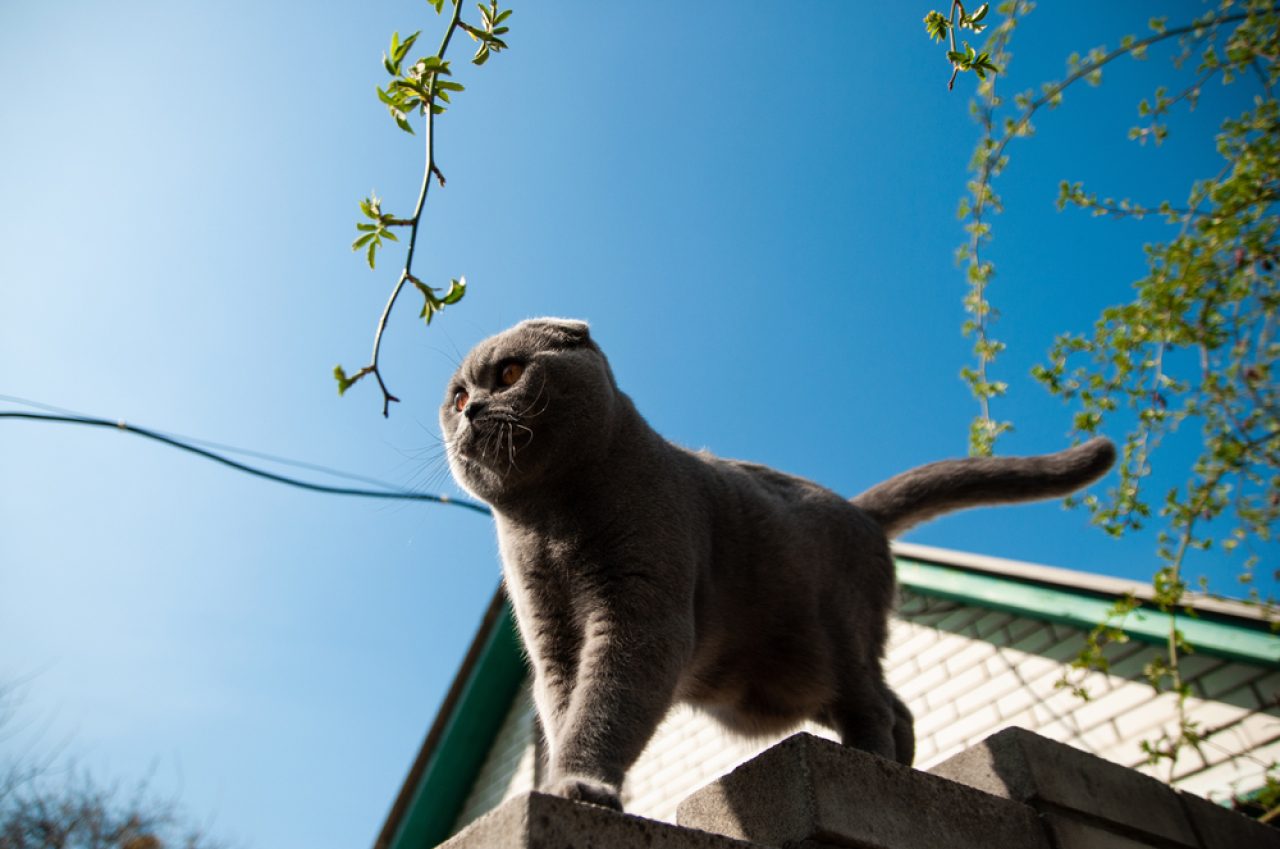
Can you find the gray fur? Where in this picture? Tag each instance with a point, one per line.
(642, 573)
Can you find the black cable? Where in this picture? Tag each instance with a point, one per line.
(262, 473)
(207, 443)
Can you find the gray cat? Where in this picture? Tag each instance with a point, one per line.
(642, 573)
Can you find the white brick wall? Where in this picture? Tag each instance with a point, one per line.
(966, 672)
(508, 769)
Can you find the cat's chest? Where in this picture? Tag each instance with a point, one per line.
(525, 551)
(540, 563)
(543, 581)
(566, 566)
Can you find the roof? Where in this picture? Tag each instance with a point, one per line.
(472, 711)
(494, 667)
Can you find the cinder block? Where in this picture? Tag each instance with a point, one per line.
(1050, 776)
(1071, 833)
(536, 821)
(1220, 828)
(810, 789)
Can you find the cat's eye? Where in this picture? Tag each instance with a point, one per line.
(510, 373)
(460, 400)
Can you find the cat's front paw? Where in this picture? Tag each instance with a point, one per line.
(582, 789)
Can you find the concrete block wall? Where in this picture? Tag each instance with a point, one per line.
(1084, 801)
(965, 672)
(1014, 789)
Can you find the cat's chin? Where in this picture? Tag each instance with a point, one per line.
(480, 480)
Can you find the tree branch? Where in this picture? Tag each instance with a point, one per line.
(431, 169)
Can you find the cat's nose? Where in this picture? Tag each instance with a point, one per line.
(473, 409)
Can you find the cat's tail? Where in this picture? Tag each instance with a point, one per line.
(927, 491)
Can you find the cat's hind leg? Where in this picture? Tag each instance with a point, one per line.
(904, 732)
(866, 716)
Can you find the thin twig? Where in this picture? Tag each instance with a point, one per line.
(413, 222)
(995, 151)
(1088, 68)
(951, 31)
(980, 307)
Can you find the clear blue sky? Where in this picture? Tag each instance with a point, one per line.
(752, 203)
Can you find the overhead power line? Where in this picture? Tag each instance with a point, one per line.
(386, 491)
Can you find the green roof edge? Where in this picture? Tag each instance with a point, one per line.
(491, 682)
(1220, 639)
(477, 714)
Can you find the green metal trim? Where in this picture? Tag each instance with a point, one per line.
(474, 723)
(1008, 594)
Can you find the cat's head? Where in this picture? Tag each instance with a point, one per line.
(526, 407)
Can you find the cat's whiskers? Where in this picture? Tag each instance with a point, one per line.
(431, 465)
(485, 437)
(494, 440)
(511, 448)
(525, 412)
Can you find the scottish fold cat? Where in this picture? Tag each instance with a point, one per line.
(642, 573)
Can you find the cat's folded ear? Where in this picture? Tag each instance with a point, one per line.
(560, 332)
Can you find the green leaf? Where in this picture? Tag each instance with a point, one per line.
(457, 288)
(423, 288)
(936, 25)
(436, 64)
(430, 303)
(344, 382)
(407, 88)
(366, 228)
(362, 241)
(404, 47)
(401, 122)
(482, 55)
(373, 246)
(387, 234)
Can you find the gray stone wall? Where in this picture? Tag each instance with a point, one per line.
(966, 672)
(1014, 789)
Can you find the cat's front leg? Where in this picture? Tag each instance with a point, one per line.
(583, 789)
(626, 680)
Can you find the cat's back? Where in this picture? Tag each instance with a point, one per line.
(757, 508)
(767, 488)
